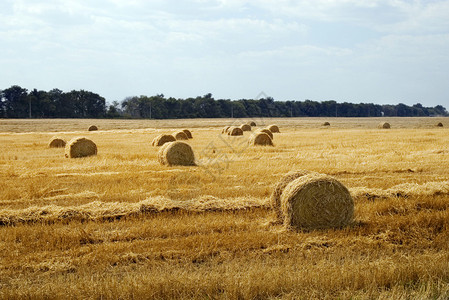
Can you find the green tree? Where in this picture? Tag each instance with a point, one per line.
(16, 103)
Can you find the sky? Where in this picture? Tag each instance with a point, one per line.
(359, 51)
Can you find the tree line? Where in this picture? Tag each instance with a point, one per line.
(18, 102)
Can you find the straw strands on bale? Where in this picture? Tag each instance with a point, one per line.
(180, 135)
(267, 131)
(275, 199)
(176, 154)
(57, 142)
(80, 147)
(245, 127)
(440, 124)
(383, 125)
(260, 139)
(162, 139)
(92, 128)
(316, 201)
(235, 131)
(188, 133)
(273, 128)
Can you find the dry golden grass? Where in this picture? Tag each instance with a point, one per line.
(120, 225)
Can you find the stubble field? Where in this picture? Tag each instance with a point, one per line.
(120, 225)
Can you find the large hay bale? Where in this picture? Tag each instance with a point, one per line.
(439, 124)
(275, 199)
(57, 142)
(326, 124)
(251, 123)
(383, 125)
(188, 133)
(162, 139)
(80, 147)
(180, 135)
(273, 128)
(92, 128)
(176, 154)
(316, 201)
(235, 131)
(267, 131)
(245, 127)
(260, 139)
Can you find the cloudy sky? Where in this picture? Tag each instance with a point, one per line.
(380, 51)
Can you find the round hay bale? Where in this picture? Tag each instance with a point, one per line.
(383, 125)
(235, 131)
(440, 124)
(80, 147)
(273, 128)
(57, 142)
(267, 131)
(245, 127)
(251, 123)
(225, 129)
(188, 133)
(326, 124)
(316, 201)
(180, 135)
(260, 139)
(92, 128)
(275, 199)
(176, 154)
(162, 139)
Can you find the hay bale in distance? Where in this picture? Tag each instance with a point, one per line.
(260, 139)
(162, 139)
(251, 123)
(180, 135)
(316, 201)
(383, 125)
(92, 128)
(176, 154)
(57, 142)
(235, 131)
(245, 127)
(273, 128)
(440, 124)
(225, 129)
(326, 124)
(267, 131)
(80, 147)
(188, 133)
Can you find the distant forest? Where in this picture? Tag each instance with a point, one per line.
(18, 102)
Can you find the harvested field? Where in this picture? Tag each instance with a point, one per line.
(121, 225)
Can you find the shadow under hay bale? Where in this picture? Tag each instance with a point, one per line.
(80, 147)
(57, 142)
(275, 199)
(316, 201)
(92, 128)
(235, 131)
(245, 127)
(176, 154)
(384, 125)
(162, 139)
(180, 135)
(260, 139)
(267, 131)
(188, 133)
(273, 128)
